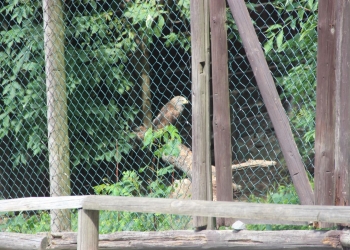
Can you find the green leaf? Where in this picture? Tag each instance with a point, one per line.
(310, 4)
(172, 148)
(273, 27)
(158, 133)
(161, 22)
(6, 121)
(148, 139)
(301, 13)
(93, 4)
(279, 40)
(149, 21)
(166, 170)
(268, 45)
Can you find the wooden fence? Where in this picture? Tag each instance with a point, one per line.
(88, 238)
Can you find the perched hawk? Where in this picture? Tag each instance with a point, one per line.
(170, 112)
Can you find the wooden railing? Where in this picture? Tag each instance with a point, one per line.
(89, 207)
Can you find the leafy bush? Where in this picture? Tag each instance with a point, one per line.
(99, 73)
(131, 185)
(283, 195)
(292, 48)
(24, 223)
(161, 141)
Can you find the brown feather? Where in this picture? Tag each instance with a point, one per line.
(170, 112)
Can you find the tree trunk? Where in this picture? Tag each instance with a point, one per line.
(58, 142)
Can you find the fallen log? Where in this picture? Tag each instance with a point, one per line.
(253, 164)
(208, 239)
(184, 239)
(17, 241)
(182, 188)
(183, 162)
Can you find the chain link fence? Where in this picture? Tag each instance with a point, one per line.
(124, 61)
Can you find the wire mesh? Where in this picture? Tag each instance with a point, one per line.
(124, 60)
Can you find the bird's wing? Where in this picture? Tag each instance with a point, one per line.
(166, 116)
(160, 117)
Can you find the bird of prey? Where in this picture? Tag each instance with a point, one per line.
(170, 112)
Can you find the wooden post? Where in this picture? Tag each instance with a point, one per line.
(272, 101)
(325, 105)
(200, 104)
(342, 77)
(57, 122)
(211, 220)
(87, 229)
(221, 105)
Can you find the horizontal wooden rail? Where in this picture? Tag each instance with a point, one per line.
(241, 210)
(42, 203)
(89, 207)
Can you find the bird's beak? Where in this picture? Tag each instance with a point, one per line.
(186, 101)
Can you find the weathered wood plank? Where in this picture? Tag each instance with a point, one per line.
(87, 229)
(221, 239)
(200, 104)
(16, 241)
(342, 137)
(41, 203)
(221, 105)
(272, 101)
(325, 105)
(210, 195)
(239, 210)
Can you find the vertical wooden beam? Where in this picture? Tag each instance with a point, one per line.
(200, 104)
(221, 105)
(325, 105)
(87, 229)
(57, 121)
(272, 101)
(211, 220)
(342, 76)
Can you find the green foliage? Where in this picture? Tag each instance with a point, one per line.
(148, 15)
(126, 221)
(166, 140)
(22, 102)
(268, 227)
(302, 17)
(283, 195)
(161, 141)
(23, 223)
(183, 39)
(131, 185)
(98, 43)
(298, 52)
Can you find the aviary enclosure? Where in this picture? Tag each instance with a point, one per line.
(97, 98)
